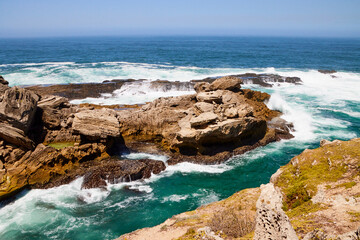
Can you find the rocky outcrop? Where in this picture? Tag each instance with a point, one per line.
(315, 196)
(271, 220)
(17, 107)
(326, 71)
(206, 127)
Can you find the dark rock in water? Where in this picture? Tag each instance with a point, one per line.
(80, 91)
(164, 85)
(326, 71)
(18, 107)
(121, 171)
(3, 81)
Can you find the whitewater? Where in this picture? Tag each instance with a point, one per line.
(324, 106)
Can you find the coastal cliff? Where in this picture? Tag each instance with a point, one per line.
(315, 196)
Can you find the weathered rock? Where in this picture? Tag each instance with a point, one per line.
(41, 166)
(122, 171)
(52, 101)
(15, 136)
(210, 97)
(18, 106)
(202, 107)
(97, 123)
(203, 119)
(227, 83)
(202, 87)
(271, 220)
(231, 112)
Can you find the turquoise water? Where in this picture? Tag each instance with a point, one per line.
(323, 107)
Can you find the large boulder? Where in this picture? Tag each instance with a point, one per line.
(97, 124)
(227, 83)
(15, 136)
(18, 107)
(210, 97)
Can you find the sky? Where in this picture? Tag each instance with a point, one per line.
(53, 18)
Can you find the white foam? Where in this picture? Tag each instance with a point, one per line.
(137, 156)
(174, 198)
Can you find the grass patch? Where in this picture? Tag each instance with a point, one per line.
(304, 209)
(232, 223)
(347, 185)
(60, 145)
(355, 216)
(301, 177)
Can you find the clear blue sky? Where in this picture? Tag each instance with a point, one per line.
(38, 18)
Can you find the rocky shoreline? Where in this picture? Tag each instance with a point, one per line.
(46, 141)
(315, 196)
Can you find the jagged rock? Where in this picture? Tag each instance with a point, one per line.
(203, 119)
(202, 87)
(97, 123)
(18, 106)
(122, 171)
(210, 97)
(227, 83)
(326, 71)
(231, 112)
(324, 142)
(202, 107)
(52, 101)
(3, 81)
(40, 166)
(271, 220)
(15, 136)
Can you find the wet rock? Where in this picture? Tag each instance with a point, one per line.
(122, 171)
(326, 71)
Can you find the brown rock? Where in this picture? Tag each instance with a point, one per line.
(97, 123)
(202, 87)
(3, 81)
(227, 83)
(15, 136)
(210, 97)
(18, 106)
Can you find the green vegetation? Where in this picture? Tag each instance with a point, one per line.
(355, 216)
(301, 177)
(60, 145)
(347, 185)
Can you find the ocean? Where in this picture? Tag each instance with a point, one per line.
(324, 107)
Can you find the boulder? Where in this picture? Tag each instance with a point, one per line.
(202, 87)
(202, 107)
(18, 107)
(97, 124)
(210, 97)
(203, 119)
(53, 102)
(227, 83)
(15, 136)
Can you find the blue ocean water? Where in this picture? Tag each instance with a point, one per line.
(324, 106)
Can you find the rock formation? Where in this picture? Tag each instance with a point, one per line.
(315, 196)
(206, 127)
